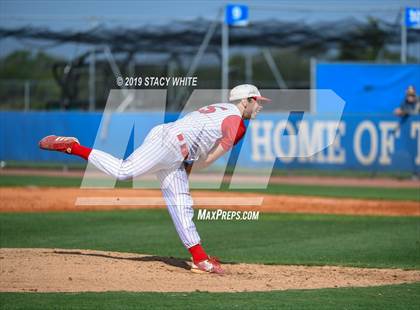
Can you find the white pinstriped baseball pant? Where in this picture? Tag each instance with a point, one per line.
(159, 154)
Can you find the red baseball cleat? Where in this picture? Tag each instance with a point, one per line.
(56, 143)
(210, 265)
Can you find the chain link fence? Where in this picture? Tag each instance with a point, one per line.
(28, 94)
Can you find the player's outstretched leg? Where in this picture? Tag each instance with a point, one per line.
(154, 154)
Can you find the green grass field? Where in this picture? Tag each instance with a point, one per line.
(229, 170)
(273, 239)
(363, 241)
(393, 297)
(412, 194)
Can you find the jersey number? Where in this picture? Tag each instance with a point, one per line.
(210, 109)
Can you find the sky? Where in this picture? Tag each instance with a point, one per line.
(83, 15)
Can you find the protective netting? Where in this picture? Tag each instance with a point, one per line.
(186, 36)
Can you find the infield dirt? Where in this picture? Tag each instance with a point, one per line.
(33, 199)
(59, 270)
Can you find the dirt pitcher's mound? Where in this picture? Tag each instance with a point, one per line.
(58, 270)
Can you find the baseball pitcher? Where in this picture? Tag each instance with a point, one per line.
(169, 150)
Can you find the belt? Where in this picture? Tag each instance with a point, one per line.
(183, 145)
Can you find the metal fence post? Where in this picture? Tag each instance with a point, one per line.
(312, 70)
(92, 81)
(225, 59)
(248, 68)
(403, 55)
(27, 95)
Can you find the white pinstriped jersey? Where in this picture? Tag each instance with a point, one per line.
(204, 128)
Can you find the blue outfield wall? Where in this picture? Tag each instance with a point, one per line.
(363, 142)
(372, 143)
(367, 87)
